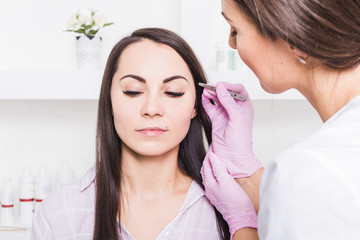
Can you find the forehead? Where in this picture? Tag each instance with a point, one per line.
(150, 59)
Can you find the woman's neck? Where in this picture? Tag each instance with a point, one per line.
(328, 91)
(151, 176)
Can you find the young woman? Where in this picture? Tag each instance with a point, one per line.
(147, 182)
(311, 190)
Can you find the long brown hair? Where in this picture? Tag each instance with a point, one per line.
(108, 144)
(326, 30)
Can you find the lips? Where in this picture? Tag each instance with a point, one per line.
(152, 131)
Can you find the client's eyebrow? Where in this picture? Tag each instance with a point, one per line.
(228, 19)
(135, 77)
(144, 81)
(173, 78)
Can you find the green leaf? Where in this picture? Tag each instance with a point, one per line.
(80, 31)
(93, 32)
(86, 27)
(108, 24)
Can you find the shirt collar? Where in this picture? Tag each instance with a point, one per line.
(88, 179)
(195, 193)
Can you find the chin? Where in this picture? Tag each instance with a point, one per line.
(272, 90)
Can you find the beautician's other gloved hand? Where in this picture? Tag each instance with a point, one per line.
(232, 129)
(227, 195)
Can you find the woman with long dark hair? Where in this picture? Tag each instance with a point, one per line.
(149, 150)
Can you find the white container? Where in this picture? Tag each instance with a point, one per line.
(64, 175)
(26, 197)
(224, 57)
(42, 186)
(7, 203)
(88, 52)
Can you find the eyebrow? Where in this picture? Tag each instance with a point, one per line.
(166, 80)
(222, 13)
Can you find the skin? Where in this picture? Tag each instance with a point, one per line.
(152, 185)
(278, 69)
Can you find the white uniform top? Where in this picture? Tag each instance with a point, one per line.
(312, 190)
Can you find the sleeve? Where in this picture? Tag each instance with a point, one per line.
(302, 196)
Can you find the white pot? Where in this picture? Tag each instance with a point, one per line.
(88, 52)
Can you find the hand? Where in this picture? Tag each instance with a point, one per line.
(232, 129)
(227, 195)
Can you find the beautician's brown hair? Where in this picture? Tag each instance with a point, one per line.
(326, 30)
(108, 143)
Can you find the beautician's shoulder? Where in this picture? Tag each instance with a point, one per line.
(303, 189)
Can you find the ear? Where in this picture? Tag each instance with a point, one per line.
(194, 113)
(297, 53)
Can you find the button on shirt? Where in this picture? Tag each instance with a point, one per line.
(68, 213)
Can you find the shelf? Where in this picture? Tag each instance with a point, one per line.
(50, 85)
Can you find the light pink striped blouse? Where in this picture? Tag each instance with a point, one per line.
(68, 213)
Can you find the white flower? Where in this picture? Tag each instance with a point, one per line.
(84, 19)
(87, 23)
(99, 20)
(73, 22)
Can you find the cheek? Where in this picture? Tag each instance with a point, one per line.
(180, 114)
(123, 113)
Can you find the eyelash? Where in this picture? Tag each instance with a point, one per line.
(136, 93)
(175, 94)
(233, 33)
(132, 93)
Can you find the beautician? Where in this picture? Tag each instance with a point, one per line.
(312, 189)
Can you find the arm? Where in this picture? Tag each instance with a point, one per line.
(246, 234)
(251, 186)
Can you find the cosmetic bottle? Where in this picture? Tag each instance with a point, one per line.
(42, 186)
(26, 197)
(7, 203)
(224, 57)
(64, 175)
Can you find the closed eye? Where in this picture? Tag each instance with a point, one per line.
(174, 94)
(132, 93)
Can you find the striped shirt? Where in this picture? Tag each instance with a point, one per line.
(68, 213)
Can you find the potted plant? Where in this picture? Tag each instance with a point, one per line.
(88, 45)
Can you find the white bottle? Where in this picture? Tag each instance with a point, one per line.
(64, 175)
(7, 203)
(42, 186)
(26, 197)
(224, 57)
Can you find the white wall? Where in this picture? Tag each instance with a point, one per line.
(33, 37)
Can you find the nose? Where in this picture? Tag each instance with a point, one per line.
(152, 107)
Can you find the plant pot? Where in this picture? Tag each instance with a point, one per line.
(88, 52)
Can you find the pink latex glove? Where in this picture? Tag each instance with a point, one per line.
(227, 195)
(232, 129)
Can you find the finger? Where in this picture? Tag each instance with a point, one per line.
(230, 105)
(210, 109)
(235, 87)
(207, 172)
(218, 167)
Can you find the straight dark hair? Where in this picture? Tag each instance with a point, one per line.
(108, 144)
(326, 30)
